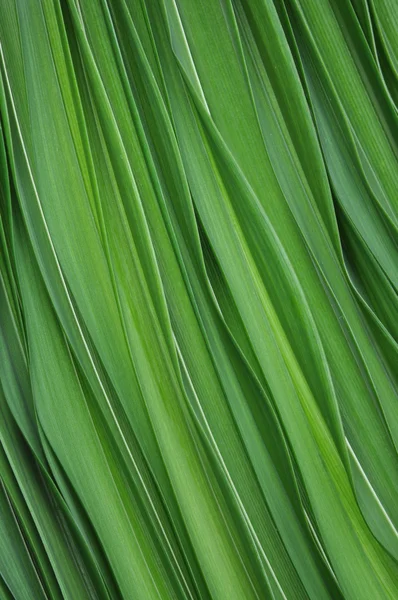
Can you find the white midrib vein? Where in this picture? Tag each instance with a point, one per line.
(371, 488)
(229, 478)
(198, 85)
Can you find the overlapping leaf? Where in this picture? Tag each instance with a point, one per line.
(198, 291)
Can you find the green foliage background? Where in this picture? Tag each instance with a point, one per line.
(198, 299)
